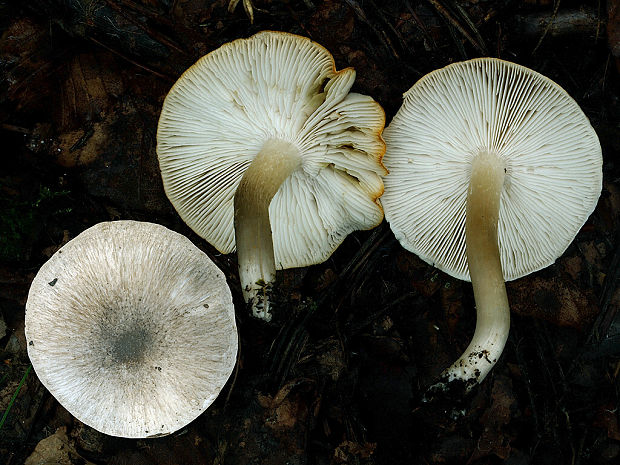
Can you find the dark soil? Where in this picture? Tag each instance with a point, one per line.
(339, 375)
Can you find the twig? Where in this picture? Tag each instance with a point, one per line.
(234, 379)
(555, 12)
(496, 8)
(121, 10)
(401, 39)
(292, 338)
(375, 239)
(603, 84)
(12, 401)
(126, 58)
(383, 37)
(472, 26)
(356, 326)
(296, 17)
(582, 21)
(420, 25)
(283, 360)
(13, 128)
(371, 247)
(457, 41)
(448, 16)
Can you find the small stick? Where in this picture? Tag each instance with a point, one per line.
(447, 15)
(549, 24)
(126, 58)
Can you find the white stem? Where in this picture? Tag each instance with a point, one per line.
(485, 269)
(257, 270)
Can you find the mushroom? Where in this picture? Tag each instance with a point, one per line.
(263, 135)
(132, 328)
(493, 169)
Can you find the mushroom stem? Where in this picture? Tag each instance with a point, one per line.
(485, 269)
(257, 269)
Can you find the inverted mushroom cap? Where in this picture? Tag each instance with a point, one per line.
(132, 329)
(551, 155)
(273, 86)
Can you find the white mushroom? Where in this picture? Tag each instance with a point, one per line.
(263, 135)
(132, 329)
(493, 170)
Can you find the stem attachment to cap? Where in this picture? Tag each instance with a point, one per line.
(257, 270)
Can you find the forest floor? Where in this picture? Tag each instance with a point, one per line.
(339, 375)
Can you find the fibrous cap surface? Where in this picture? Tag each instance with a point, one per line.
(132, 329)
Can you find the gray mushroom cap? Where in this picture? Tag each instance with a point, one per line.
(132, 328)
(551, 154)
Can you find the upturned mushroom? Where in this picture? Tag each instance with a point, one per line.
(493, 168)
(132, 329)
(261, 146)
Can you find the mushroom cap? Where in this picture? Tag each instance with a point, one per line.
(132, 329)
(551, 153)
(273, 85)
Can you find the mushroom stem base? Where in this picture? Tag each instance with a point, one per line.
(259, 184)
